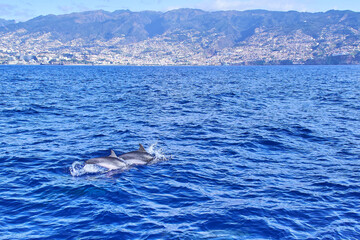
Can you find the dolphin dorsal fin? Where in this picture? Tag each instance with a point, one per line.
(113, 154)
(141, 148)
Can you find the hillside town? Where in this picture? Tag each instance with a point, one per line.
(265, 46)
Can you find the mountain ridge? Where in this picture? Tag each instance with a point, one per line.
(184, 37)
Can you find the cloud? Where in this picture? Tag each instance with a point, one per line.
(9, 11)
(276, 5)
(6, 9)
(73, 8)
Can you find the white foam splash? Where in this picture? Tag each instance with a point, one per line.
(79, 168)
(158, 154)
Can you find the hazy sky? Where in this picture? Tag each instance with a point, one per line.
(22, 10)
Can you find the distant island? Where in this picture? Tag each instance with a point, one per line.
(183, 37)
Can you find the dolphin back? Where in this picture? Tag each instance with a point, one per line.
(139, 155)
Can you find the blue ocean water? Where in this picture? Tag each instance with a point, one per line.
(253, 152)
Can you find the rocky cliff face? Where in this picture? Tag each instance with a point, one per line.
(183, 37)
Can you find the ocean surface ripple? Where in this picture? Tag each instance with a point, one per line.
(253, 152)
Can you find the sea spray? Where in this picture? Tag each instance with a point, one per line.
(80, 168)
(158, 154)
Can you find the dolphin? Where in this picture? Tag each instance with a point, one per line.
(138, 157)
(112, 162)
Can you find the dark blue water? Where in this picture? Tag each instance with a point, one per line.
(256, 152)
